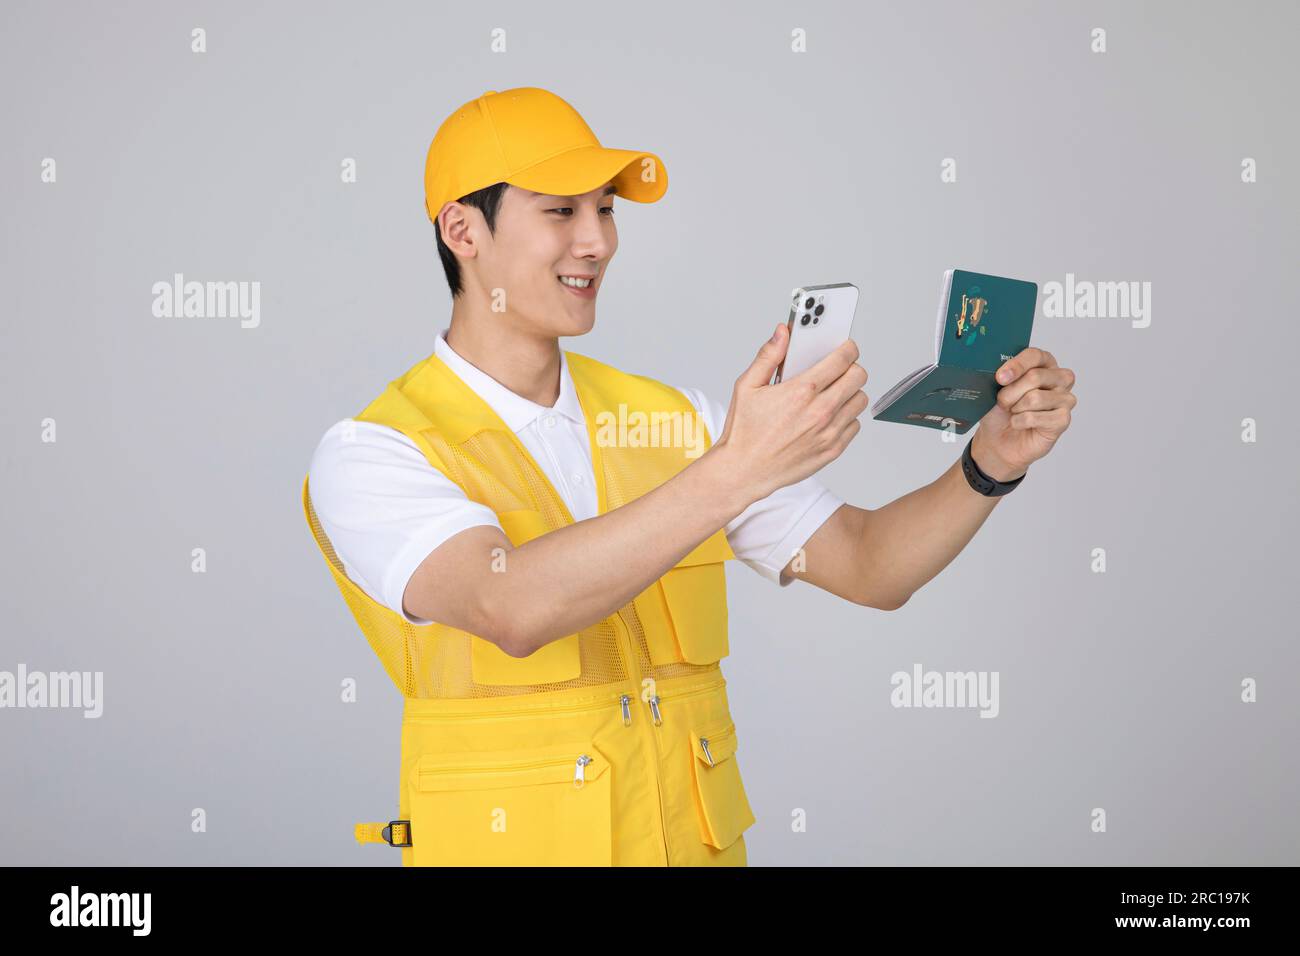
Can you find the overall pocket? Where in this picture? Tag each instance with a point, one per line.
(724, 810)
(550, 664)
(520, 807)
(684, 613)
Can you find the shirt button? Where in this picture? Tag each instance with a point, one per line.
(550, 421)
(577, 478)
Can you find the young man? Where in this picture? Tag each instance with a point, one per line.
(547, 589)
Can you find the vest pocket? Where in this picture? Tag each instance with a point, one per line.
(519, 807)
(684, 613)
(550, 664)
(724, 811)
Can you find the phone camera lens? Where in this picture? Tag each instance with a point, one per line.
(809, 303)
(804, 320)
(819, 310)
(815, 321)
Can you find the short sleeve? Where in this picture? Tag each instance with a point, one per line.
(384, 507)
(766, 535)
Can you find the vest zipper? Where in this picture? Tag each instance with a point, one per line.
(579, 778)
(488, 768)
(654, 737)
(557, 709)
(627, 711)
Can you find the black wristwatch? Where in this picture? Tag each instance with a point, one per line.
(989, 487)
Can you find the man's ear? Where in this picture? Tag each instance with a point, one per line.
(454, 224)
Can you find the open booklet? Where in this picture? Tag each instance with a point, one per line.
(983, 321)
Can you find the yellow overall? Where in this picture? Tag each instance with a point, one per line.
(611, 746)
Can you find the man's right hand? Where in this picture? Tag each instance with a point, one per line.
(779, 434)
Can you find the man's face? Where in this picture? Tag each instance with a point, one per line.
(542, 244)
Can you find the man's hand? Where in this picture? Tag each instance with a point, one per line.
(776, 435)
(1032, 411)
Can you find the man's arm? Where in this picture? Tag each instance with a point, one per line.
(880, 557)
(564, 581)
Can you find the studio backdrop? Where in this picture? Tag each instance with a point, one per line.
(1129, 609)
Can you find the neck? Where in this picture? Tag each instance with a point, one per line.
(525, 363)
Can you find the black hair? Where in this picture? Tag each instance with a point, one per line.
(487, 201)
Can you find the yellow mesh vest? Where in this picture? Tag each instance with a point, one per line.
(635, 704)
(678, 625)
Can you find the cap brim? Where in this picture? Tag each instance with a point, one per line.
(638, 176)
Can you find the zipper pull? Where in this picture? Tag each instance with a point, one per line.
(578, 778)
(704, 744)
(627, 711)
(654, 709)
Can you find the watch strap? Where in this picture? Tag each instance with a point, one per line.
(982, 483)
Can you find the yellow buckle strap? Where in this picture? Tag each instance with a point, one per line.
(394, 832)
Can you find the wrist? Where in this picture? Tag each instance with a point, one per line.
(727, 480)
(992, 464)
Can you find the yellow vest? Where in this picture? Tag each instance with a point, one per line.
(611, 745)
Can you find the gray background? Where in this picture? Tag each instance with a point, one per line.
(1118, 690)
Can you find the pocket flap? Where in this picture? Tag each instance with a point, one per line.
(711, 550)
(724, 808)
(696, 599)
(522, 525)
(712, 746)
(508, 768)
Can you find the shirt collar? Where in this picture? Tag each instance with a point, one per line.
(515, 410)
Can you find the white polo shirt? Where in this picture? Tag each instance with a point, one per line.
(385, 508)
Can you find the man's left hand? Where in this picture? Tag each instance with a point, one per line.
(1032, 411)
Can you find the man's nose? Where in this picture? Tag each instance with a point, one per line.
(589, 235)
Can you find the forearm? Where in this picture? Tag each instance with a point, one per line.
(564, 581)
(910, 540)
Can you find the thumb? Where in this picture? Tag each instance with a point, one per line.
(771, 355)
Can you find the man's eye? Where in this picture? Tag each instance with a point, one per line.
(568, 210)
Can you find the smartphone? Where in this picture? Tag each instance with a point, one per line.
(821, 320)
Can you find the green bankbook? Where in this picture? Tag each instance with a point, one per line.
(983, 321)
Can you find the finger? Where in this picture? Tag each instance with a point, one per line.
(1037, 377)
(1044, 400)
(853, 406)
(850, 432)
(1024, 360)
(834, 395)
(1055, 421)
(836, 445)
(831, 367)
(771, 355)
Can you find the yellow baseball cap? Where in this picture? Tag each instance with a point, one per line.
(530, 138)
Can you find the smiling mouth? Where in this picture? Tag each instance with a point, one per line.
(576, 282)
